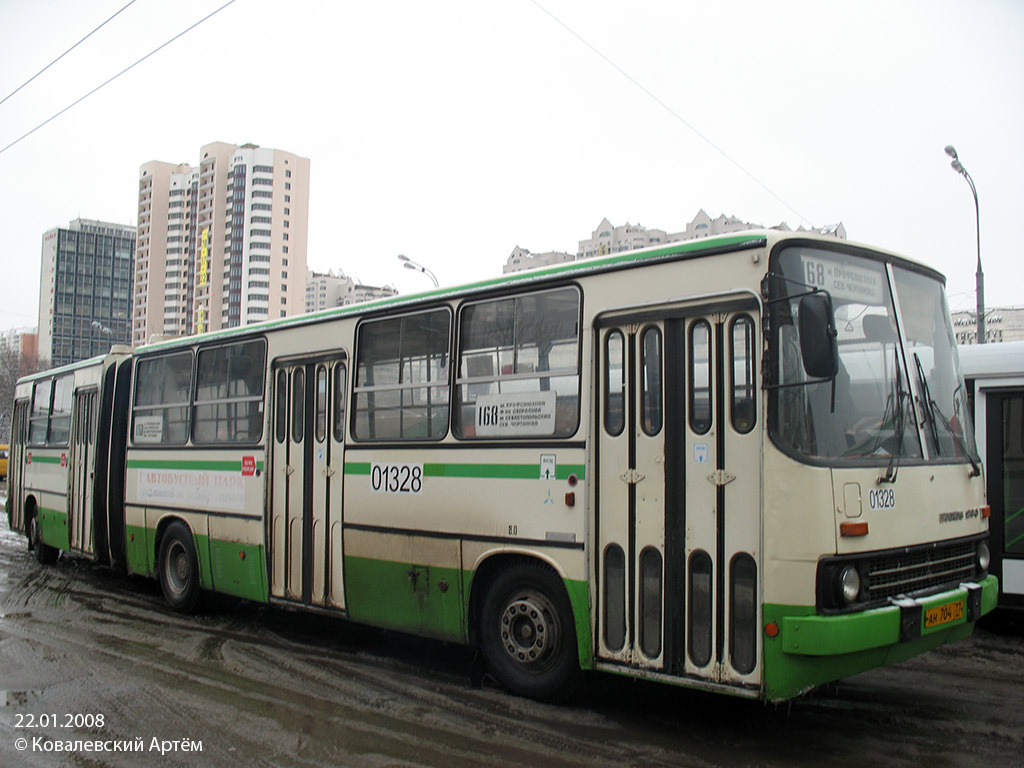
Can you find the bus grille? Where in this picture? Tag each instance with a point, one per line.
(902, 573)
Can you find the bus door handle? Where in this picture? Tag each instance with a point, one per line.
(720, 477)
(330, 471)
(289, 470)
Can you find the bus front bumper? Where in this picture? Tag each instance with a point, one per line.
(902, 621)
(809, 649)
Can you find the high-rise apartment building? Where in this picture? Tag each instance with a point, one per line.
(164, 251)
(222, 244)
(85, 292)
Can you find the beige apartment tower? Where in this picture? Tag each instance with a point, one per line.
(221, 244)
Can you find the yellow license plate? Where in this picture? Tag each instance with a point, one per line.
(943, 614)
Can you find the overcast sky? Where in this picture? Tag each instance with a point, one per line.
(454, 131)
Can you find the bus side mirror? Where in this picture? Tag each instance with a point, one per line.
(818, 336)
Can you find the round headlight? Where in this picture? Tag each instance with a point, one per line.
(984, 556)
(849, 584)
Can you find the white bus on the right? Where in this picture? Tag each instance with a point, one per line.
(994, 374)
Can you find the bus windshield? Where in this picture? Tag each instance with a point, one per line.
(868, 415)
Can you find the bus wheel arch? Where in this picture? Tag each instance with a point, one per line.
(45, 554)
(177, 565)
(522, 621)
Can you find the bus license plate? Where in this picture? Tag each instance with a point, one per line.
(943, 614)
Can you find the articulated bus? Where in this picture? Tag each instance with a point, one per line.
(994, 374)
(741, 464)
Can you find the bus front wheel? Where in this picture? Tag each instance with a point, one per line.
(527, 633)
(45, 554)
(179, 568)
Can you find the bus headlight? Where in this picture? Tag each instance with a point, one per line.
(849, 584)
(984, 556)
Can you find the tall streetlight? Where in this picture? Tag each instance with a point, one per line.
(980, 286)
(410, 264)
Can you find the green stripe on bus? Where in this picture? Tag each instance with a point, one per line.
(222, 466)
(491, 471)
(46, 460)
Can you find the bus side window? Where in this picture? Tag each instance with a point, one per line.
(614, 384)
(60, 415)
(742, 402)
(700, 377)
(340, 384)
(321, 403)
(650, 383)
(39, 419)
(298, 404)
(281, 407)
(229, 393)
(163, 390)
(401, 388)
(519, 351)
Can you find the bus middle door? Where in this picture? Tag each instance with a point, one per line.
(305, 540)
(82, 471)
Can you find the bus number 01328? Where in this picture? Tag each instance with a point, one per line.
(396, 478)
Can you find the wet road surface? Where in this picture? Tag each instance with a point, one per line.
(259, 686)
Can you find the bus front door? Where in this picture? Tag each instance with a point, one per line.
(304, 531)
(678, 500)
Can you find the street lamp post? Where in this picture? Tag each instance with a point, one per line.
(410, 264)
(98, 326)
(979, 276)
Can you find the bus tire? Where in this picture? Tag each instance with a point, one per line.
(45, 554)
(179, 568)
(527, 633)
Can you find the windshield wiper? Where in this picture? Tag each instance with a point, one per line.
(931, 409)
(929, 414)
(897, 398)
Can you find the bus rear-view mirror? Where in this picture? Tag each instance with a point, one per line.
(818, 336)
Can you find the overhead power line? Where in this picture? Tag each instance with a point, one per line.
(69, 50)
(671, 111)
(112, 79)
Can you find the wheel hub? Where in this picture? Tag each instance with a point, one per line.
(177, 569)
(528, 631)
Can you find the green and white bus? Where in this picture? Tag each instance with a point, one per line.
(741, 464)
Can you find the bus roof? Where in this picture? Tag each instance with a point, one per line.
(1001, 359)
(116, 349)
(738, 241)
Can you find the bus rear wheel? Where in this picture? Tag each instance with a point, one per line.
(45, 554)
(179, 568)
(527, 633)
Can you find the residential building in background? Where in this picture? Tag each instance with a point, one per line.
(521, 259)
(1001, 324)
(85, 290)
(224, 242)
(327, 290)
(608, 238)
(23, 343)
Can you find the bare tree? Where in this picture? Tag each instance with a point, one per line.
(12, 367)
